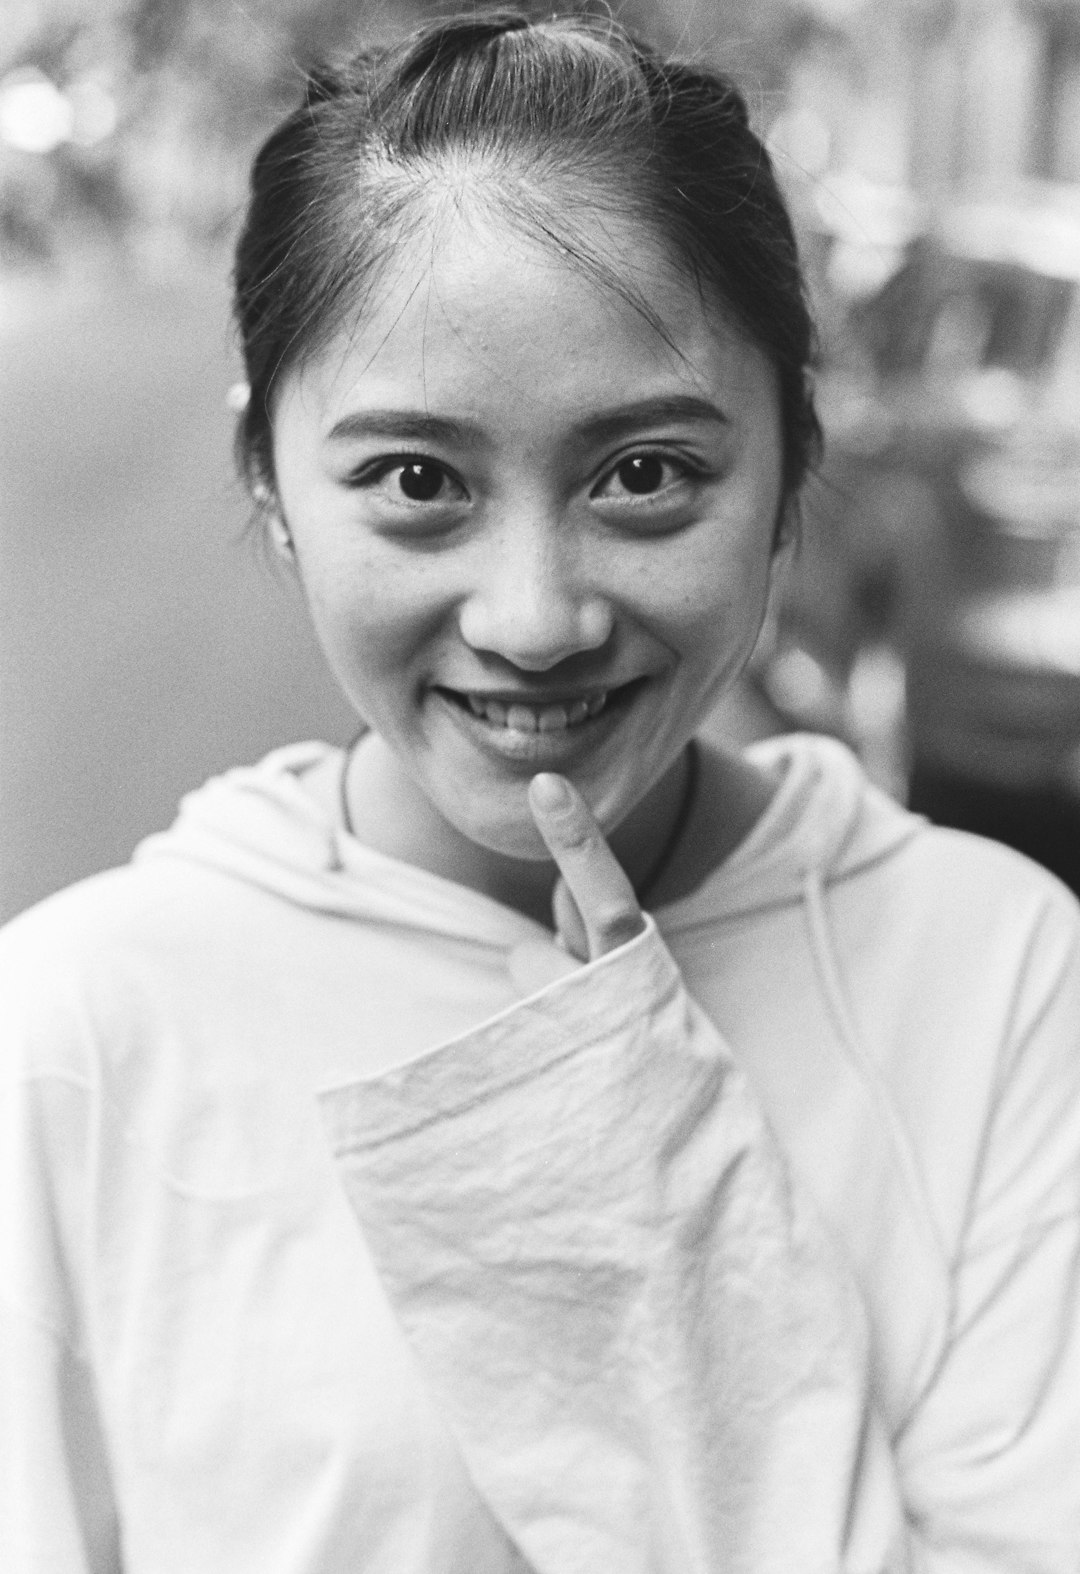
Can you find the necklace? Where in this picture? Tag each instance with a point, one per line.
(663, 858)
(659, 866)
(343, 781)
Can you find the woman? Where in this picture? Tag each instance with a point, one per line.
(386, 1190)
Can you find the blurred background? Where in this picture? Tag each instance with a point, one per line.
(931, 150)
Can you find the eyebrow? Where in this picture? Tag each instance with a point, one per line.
(652, 412)
(418, 426)
(414, 424)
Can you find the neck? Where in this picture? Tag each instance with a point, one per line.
(390, 813)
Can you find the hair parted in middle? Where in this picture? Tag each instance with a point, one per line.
(540, 122)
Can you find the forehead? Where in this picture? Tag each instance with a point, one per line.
(470, 307)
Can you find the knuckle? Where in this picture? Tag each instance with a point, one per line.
(615, 924)
(579, 837)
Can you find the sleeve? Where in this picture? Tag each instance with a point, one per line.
(990, 1457)
(56, 1504)
(649, 1352)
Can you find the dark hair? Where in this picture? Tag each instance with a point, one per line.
(565, 114)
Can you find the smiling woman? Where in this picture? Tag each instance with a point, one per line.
(491, 544)
(386, 1188)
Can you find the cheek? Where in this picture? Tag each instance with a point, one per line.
(373, 619)
(713, 608)
(345, 610)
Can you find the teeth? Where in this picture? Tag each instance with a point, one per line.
(553, 718)
(536, 718)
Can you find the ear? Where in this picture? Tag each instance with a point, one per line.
(270, 510)
(786, 534)
(279, 533)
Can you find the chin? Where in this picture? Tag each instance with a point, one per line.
(511, 836)
(505, 825)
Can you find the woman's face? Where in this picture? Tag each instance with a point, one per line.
(534, 532)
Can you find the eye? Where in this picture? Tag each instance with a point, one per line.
(644, 475)
(421, 481)
(402, 479)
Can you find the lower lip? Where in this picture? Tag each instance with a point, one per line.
(540, 751)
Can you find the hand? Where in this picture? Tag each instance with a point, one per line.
(594, 905)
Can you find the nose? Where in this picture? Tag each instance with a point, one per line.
(530, 602)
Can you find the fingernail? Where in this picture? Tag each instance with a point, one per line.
(550, 792)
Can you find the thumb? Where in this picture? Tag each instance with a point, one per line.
(534, 964)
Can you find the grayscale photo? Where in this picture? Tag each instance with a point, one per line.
(540, 787)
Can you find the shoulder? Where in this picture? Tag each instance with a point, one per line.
(983, 897)
(91, 963)
(937, 935)
(834, 820)
(119, 911)
(992, 999)
(962, 958)
(196, 905)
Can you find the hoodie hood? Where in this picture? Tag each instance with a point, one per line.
(825, 823)
(262, 824)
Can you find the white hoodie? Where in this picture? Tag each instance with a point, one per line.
(751, 1249)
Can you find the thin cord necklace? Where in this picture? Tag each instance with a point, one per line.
(646, 886)
(343, 780)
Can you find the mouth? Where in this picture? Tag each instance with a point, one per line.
(510, 712)
(540, 726)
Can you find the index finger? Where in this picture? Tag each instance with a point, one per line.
(594, 877)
